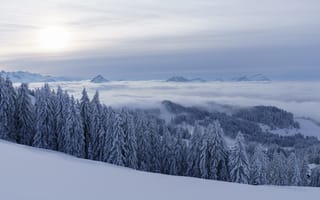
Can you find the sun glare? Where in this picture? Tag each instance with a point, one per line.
(54, 39)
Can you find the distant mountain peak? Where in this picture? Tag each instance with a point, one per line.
(177, 79)
(28, 77)
(183, 79)
(254, 77)
(99, 79)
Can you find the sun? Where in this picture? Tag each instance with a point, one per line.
(55, 39)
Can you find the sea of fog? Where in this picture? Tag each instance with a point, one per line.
(301, 98)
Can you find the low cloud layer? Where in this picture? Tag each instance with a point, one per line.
(301, 98)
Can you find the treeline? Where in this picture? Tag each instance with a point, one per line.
(54, 120)
(246, 120)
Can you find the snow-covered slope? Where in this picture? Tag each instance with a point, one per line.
(27, 77)
(33, 174)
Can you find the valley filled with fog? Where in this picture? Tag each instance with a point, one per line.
(300, 98)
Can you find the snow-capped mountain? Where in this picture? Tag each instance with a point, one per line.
(183, 79)
(27, 77)
(254, 77)
(99, 79)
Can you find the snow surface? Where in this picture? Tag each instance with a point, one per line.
(33, 174)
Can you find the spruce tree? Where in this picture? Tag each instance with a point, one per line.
(24, 116)
(94, 148)
(153, 134)
(277, 169)
(7, 110)
(304, 172)
(315, 177)
(204, 164)
(166, 151)
(239, 164)
(130, 140)
(118, 151)
(294, 177)
(258, 169)
(44, 120)
(85, 116)
(218, 152)
(108, 121)
(144, 145)
(194, 151)
(76, 133)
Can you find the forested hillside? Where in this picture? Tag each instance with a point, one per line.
(139, 139)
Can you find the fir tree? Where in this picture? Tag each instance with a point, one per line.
(85, 115)
(153, 133)
(144, 145)
(166, 151)
(94, 148)
(218, 152)
(44, 119)
(7, 110)
(277, 170)
(239, 164)
(118, 151)
(24, 116)
(130, 140)
(194, 152)
(108, 121)
(315, 177)
(294, 177)
(258, 169)
(304, 171)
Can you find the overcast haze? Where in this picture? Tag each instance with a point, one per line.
(148, 39)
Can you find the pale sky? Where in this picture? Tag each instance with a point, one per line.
(146, 39)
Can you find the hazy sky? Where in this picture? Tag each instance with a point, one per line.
(142, 39)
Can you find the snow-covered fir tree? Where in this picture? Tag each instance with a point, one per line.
(95, 137)
(304, 172)
(85, 111)
(194, 151)
(108, 121)
(7, 110)
(239, 164)
(153, 133)
(214, 154)
(293, 171)
(258, 167)
(315, 177)
(24, 116)
(44, 118)
(130, 140)
(166, 151)
(61, 111)
(73, 133)
(144, 144)
(277, 169)
(118, 149)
